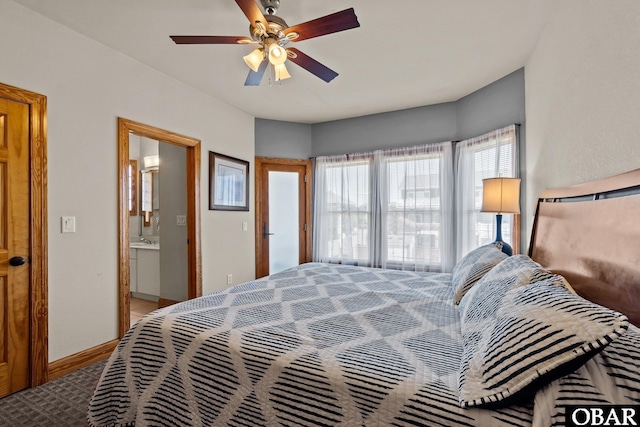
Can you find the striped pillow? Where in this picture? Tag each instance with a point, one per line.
(473, 266)
(519, 334)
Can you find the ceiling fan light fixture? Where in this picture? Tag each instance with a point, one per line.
(277, 54)
(254, 59)
(281, 72)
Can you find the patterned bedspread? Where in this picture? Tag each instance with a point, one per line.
(325, 345)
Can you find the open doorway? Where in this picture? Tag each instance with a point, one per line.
(147, 212)
(158, 262)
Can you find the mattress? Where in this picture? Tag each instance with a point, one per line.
(330, 345)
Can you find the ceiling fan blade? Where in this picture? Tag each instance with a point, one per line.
(254, 78)
(329, 24)
(252, 12)
(312, 66)
(210, 39)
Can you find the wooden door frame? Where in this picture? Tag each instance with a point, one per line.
(194, 252)
(38, 265)
(261, 162)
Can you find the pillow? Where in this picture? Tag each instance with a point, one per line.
(523, 329)
(473, 266)
(517, 270)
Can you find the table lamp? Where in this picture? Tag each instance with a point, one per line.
(501, 195)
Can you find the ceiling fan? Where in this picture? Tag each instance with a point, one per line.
(271, 33)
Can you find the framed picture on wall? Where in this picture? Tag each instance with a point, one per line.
(228, 183)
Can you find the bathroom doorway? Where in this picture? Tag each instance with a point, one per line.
(159, 175)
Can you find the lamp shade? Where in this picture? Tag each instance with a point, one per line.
(254, 59)
(281, 72)
(501, 195)
(277, 54)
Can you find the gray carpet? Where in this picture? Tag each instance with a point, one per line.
(59, 403)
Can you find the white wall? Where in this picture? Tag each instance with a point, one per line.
(583, 96)
(88, 86)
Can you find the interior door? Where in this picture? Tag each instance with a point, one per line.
(283, 214)
(14, 246)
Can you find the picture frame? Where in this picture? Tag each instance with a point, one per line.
(228, 183)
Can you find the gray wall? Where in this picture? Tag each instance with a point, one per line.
(432, 123)
(494, 106)
(282, 139)
(173, 237)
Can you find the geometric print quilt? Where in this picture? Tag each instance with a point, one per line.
(317, 344)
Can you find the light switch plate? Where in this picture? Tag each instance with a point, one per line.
(245, 226)
(181, 220)
(68, 224)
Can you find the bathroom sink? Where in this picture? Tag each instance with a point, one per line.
(142, 245)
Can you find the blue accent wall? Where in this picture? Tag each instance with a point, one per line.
(280, 139)
(431, 123)
(494, 106)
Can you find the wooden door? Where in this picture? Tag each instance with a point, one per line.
(14, 246)
(276, 178)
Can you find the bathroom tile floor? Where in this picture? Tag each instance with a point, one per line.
(140, 307)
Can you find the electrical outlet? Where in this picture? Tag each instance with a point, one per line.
(229, 278)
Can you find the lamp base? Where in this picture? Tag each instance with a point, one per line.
(504, 246)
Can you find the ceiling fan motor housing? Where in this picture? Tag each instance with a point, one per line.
(270, 6)
(275, 31)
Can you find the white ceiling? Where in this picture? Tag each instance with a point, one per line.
(406, 53)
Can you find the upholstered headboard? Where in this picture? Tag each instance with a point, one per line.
(590, 234)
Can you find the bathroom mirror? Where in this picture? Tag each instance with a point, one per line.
(147, 180)
(132, 185)
(145, 151)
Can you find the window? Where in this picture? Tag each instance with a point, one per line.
(491, 155)
(415, 188)
(395, 208)
(343, 211)
(385, 208)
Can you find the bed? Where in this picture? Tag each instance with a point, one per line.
(502, 341)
